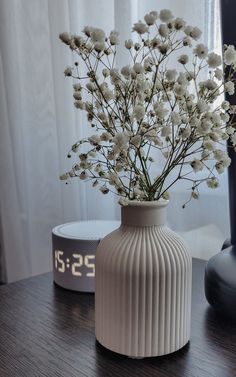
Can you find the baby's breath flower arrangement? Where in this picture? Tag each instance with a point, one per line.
(155, 120)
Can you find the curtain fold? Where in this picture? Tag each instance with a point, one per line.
(38, 124)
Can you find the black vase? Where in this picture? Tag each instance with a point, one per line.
(220, 282)
(220, 274)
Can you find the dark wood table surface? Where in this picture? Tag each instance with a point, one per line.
(48, 331)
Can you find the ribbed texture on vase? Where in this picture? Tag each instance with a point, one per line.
(143, 291)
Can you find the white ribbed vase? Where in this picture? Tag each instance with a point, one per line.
(143, 285)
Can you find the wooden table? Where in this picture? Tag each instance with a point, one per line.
(48, 331)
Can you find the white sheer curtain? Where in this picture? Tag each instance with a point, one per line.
(38, 124)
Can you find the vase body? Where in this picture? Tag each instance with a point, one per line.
(143, 285)
(220, 282)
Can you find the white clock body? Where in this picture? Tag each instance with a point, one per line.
(74, 247)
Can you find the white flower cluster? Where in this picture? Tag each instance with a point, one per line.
(150, 105)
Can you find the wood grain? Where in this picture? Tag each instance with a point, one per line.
(48, 331)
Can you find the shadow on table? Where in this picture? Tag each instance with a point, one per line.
(174, 364)
(214, 320)
(220, 333)
(76, 305)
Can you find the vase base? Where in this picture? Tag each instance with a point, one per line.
(109, 350)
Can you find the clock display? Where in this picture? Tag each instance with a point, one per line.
(74, 248)
(75, 263)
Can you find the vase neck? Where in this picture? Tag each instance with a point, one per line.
(144, 213)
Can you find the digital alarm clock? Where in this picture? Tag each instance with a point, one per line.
(74, 246)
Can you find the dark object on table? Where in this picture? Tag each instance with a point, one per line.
(48, 331)
(220, 276)
(220, 282)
